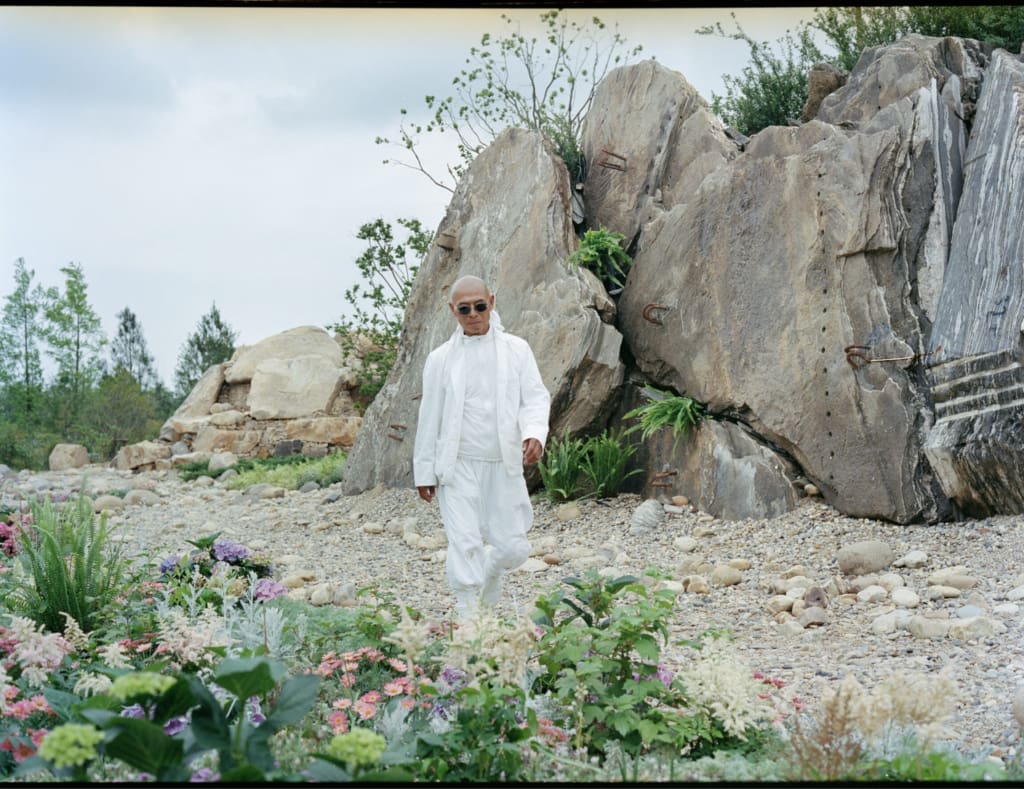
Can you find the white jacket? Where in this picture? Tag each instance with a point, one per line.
(523, 405)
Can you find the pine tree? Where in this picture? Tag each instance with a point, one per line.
(211, 343)
(21, 371)
(129, 352)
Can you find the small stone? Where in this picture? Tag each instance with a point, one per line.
(791, 627)
(141, 498)
(685, 544)
(968, 612)
(107, 504)
(1006, 610)
(811, 490)
(799, 606)
(740, 564)
(884, 624)
(671, 509)
(796, 569)
(912, 560)
(568, 512)
(942, 592)
(680, 501)
(816, 596)
(890, 581)
(321, 595)
(532, 566)
(866, 556)
(927, 628)
(550, 558)
(905, 598)
(975, 628)
(778, 603)
(1015, 594)
(695, 584)
(872, 594)
(372, 527)
(1018, 707)
(724, 575)
(813, 617)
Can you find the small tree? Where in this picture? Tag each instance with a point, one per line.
(21, 371)
(211, 343)
(75, 337)
(387, 269)
(119, 413)
(518, 81)
(128, 350)
(772, 89)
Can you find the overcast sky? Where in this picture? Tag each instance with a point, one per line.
(191, 156)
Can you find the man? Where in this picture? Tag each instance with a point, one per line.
(483, 415)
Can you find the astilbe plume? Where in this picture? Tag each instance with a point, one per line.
(37, 653)
(488, 650)
(187, 643)
(717, 682)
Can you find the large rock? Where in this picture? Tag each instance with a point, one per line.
(294, 343)
(977, 443)
(509, 222)
(649, 140)
(293, 387)
(67, 456)
(142, 456)
(813, 240)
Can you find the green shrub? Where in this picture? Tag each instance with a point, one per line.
(604, 463)
(665, 410)
(602, 253)
(561, 468)
(72, 564)
(292, 474)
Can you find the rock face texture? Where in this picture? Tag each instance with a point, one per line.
(977, 443)
(510, 223)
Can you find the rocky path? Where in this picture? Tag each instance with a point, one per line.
(947, 596)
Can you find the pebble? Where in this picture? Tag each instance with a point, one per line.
(789, 556)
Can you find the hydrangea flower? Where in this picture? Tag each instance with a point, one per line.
(228, 551)
(168, 564)
(268, 589)
(357, 748)
(140, 683)
(71, 745)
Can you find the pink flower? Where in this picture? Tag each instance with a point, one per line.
(342, 704)
(394, 688)
(398, 665)
(371, 697)
(338, 721)
(348, 680)
(365, 709)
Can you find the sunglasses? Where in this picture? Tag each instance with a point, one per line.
(464, 309)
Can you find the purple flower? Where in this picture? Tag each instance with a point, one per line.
(256, 716)
(175, 725)
(134, 711)
(453, 677)
(228, 551)
(204, 775)
(664, 673)
(268, 589)
(168, 564)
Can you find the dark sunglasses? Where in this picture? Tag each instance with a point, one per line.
(464, 309)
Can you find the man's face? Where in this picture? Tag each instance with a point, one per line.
(470, 297)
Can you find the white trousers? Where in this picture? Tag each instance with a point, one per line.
(486, 513)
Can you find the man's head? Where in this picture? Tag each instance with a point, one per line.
(471, 304)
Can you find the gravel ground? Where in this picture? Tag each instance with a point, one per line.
(341, 543)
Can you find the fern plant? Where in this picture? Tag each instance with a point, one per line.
(665, 409)
(73, 566)
(601, 251)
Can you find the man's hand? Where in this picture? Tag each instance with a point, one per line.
(426, 492)
(532, 450)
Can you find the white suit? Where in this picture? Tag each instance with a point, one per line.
(482, 397)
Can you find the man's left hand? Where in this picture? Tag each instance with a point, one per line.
(532, 450)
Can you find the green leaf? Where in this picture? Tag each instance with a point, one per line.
(297, 697)
(242, 774)
(248, 677)
(143, 745)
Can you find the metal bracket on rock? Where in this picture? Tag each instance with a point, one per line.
(403, 428)
(605, 162)
(648, 310)
(660, 479)
(857, 356)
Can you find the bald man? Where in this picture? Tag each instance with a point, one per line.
(483, 416)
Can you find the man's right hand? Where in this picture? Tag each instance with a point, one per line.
(426, 492)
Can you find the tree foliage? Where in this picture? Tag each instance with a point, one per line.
(129, 351)
(387, 269)
(772, 88)
(211, 343)
(75, 338)
(21, 371)
(519, 81)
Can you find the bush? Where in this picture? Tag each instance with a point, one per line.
(601, 251)
(666, 410)
(73, 566)
(604, 463)
(561, 467)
